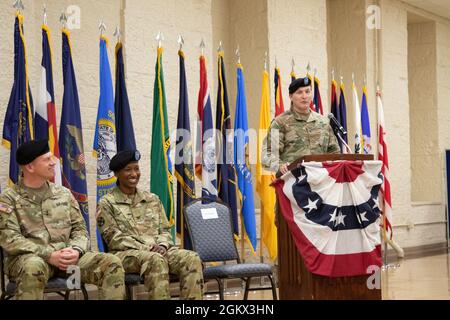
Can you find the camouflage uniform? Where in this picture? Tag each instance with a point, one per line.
(299, 135)
(131, 226)
(31, 228)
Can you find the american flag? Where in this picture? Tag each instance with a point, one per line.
(385, 190)
(205, 156)
(332, 212)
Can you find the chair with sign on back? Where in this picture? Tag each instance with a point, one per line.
(57, 285)
(212, 238)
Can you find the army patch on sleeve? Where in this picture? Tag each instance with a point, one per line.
(5, 208)
(100, 222)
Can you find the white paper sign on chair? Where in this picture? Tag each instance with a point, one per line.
(209, 213)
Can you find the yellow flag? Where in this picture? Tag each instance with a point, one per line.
(264, 178)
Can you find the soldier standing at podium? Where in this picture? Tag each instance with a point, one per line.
(299, 131)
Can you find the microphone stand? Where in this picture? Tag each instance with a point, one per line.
(338, 133)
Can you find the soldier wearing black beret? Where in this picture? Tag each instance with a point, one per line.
(44, 232)
(122, 158)
(299, 83)
(134, 226)
(29, 151)
(300, 131)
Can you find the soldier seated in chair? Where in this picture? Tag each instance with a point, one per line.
(134, 226)
(44, 233)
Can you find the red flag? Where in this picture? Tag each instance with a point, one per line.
(279, 106)
(205, 156)
(385, 191)
(311, 105)
(45, 117)
(317, 98)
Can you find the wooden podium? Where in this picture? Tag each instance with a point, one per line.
(295, 281)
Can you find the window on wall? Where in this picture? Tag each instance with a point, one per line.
(426, 184)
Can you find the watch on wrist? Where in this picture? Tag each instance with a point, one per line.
(79, 251)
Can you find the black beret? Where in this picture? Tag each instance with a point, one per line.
(122, 158)
(29, 151)
(299, 83)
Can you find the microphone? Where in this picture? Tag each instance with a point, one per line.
(336, 124)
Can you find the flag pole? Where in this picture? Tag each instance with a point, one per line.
(261, 225)
(18, 5)
(63, 20)
(180, 42)
(102, 28)
(117, 33)
(45, 15)
(238, 56)
(292, 65)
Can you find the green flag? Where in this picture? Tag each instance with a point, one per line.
(161, 180)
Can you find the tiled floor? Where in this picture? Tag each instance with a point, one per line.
(411, 279)
(419, 278)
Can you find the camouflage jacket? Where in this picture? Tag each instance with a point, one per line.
(27, 226)
(298, 135)
(132, 224)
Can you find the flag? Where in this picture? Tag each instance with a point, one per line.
(335, 110)
(365, 123)
(264, 178)
(18, 123)
(161, 180)
(343, 114)
(311, 105)
(279, 106)
(70, 133)
(293, 76)
(105, 131)
(332, 212)
(184, 170)
(317, 98)
(124, 122)
(357, 113)
(226, 173)
(205, 155)
(385, 190)
(243, 170)
(45, 116)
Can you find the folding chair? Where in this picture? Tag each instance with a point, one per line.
(210, 228)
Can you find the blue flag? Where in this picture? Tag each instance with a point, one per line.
(226, 173)
(365, 123)
(18, 124)
(244, 175)
(70, 133)
(184, 167)
(105, 131)
(124, 122)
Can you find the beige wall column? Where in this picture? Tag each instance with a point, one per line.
(425, 179)
(414, 223)
(347, 45)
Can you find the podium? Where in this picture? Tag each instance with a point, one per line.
(295, 281)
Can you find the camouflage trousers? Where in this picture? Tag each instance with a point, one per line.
(31, 274)
(155, 269)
